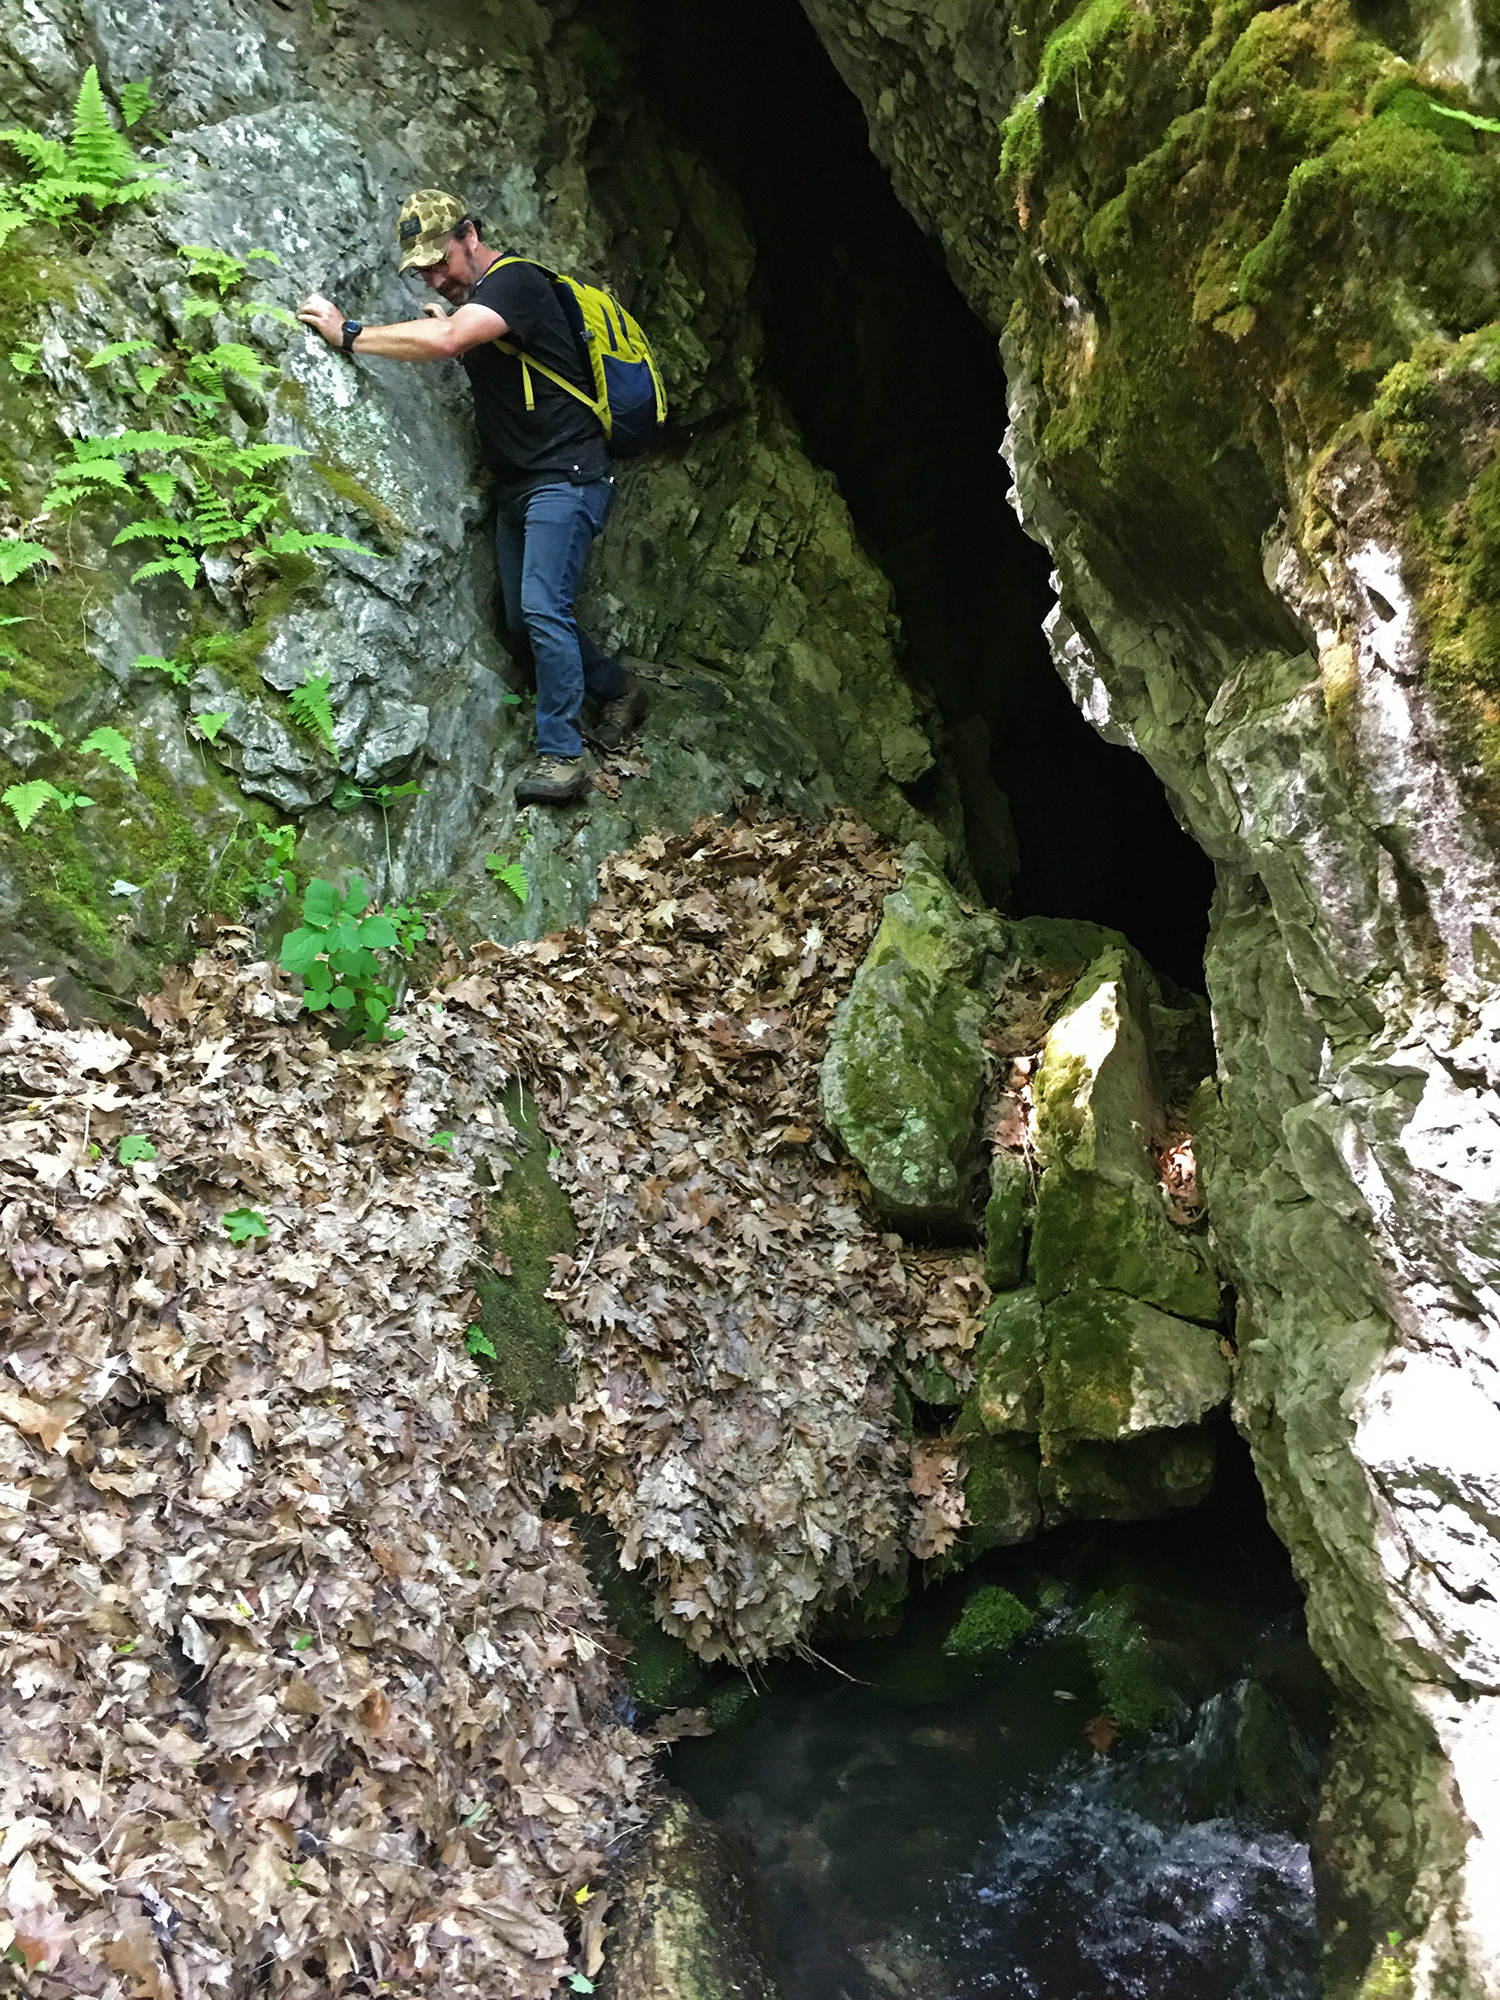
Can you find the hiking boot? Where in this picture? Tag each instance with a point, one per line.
(612, 723)
(554, 782)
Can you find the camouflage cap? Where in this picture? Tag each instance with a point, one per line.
(427, 219)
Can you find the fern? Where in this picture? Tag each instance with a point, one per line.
(46, 729)
(218, 267)
(99, 153)
(212, 722)
(184, 568)
(213, 523)
(178, 672)
(112, 747)
(117, 351)
(18, 557)
(136, 100)
(312, 708)
(292, 542)
(26, 801)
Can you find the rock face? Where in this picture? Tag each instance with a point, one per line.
(730, 567)
(686, 1927)
(1092, 1380)
(1247, 319)
(905, 1060)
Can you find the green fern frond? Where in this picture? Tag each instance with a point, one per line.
(312, 708)
(184, 568)
(159, 528)
(136, 100)
(292, 542)
(112, 747)
(18, 557)
(213, 524)
(99, 152)
(217, 266)
(162, 486)
(26, 801)
(116, 350)
(53, 736)
(176, 671)
(42, 155)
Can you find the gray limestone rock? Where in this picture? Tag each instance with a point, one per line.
(905, 1061)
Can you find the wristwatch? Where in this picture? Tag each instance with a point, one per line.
(352, 329)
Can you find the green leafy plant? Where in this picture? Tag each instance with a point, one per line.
(178, 672)
(96, 168)
(211, 723)
(411, 924)
(26, 801)
(333, 952)
(477, 1342)
(112, 747)
(26, 358)
(279, 845)
(313, 710)
(136, 100)
(443, 1141)
(18, 557)
(243, 1224)
(135, 1146)
(219, 267)
(347, 792)
(509, 874)
(53, 736)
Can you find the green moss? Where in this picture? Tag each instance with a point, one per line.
(528, 1220)
(1194, 188)
(660, 1670)
(1130, 1687)
(1086, 33)
(991, 1622)
(389, 528)
(732, 1704)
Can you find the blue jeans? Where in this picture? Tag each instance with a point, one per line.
(541, 539)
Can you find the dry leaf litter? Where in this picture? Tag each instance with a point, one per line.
(304, 1690)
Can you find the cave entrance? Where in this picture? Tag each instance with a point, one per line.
(898, 391)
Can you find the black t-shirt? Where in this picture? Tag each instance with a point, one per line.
(558, 438)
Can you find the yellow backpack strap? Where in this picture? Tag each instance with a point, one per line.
(599, 404)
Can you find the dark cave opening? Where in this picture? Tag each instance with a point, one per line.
(898, 390)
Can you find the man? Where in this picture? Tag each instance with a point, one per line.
(550, 464)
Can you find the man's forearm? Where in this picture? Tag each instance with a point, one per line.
(408, 340)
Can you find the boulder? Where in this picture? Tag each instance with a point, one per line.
(1116, 1368)
(685, 1922)
(1007, 1394)
(1005, 1221)
(906, 1060)
(1112, 1230)
(1139, 1479)
(1100, 1219)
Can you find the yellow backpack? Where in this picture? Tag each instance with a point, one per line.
(628, 397)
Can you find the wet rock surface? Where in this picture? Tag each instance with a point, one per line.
(1248, 425)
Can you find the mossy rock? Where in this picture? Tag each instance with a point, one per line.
(1096, 1093)
(990, 1623)
(686, 1923)
(1110, 1229)
(659, 1670)
(1005, 1221)
(1000, 1492)
(1007, 1392)
(1116, 1368)
(1131, 1685)
(906, 1061)
(1141, 1479)
(528, 1219)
